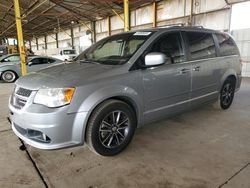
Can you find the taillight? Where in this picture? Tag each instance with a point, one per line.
(241, 63)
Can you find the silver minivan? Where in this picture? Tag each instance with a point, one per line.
(123, 82)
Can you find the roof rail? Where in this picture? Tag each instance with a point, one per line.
(172, 25)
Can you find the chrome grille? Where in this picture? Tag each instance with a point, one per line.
(20, 97)
(23, 92)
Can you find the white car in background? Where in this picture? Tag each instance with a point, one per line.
(66, 55)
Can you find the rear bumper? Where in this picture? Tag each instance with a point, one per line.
(238, 83)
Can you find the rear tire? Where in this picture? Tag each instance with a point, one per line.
(9, 76)
(110, 128)
(227, 93)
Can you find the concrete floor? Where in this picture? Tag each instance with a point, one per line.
(203, 148)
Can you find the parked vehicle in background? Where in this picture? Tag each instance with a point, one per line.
(11, 70)
(11, 58)
(66, 55)
(122, 82)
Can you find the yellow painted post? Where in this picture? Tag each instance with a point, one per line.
(154, 14)
(109, 26)
(126, 15)
(20, 37)
(191, 12)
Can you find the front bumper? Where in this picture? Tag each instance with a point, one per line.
(48, 128)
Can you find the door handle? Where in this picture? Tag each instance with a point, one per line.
(184, 71)
(197, 68)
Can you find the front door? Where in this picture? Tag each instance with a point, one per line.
(167, 87)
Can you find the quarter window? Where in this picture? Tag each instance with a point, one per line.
(171, 46)
(201, 45)
(227, 45)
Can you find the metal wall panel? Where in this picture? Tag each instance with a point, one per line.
(242, 38)
(236, 1)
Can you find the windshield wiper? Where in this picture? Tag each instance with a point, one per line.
(88, 61)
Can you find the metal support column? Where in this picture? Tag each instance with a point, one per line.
(126, 15)
(45, 42)
(72, 38)
(37, 47)
(30, 45)
(57, 44)
(154, 14)
(93, 32)
(109, 25)
(20, 36)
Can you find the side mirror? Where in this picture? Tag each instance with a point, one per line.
(155, 58)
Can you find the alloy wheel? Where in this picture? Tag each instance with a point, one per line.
(114, 129)
(227, 94)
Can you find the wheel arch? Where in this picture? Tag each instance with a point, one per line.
(11, 70)
(122, 98)
(229, 74)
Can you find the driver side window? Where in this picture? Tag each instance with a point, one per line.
(171, 46)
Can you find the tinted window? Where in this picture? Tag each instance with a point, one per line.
(170, 45)
(69, 52)
(201, 45)
(38, 61)
(227, 45)
(51, 60)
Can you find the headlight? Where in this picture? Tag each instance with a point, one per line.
(54, 97)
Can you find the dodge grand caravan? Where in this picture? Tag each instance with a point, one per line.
(122, 82)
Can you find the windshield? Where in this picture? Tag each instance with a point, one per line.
(114, 50)
(69, 52)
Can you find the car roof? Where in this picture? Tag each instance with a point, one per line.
(178, 28)
(40, 56)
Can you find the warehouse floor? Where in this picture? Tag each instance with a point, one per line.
(203, 148)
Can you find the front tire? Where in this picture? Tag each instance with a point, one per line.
(227, 94)
(9, 76)
(110, 128)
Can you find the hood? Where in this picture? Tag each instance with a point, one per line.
(66, 75)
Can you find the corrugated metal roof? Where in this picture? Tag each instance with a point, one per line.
(40, 17)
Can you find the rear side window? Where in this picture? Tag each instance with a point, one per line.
(227, 45)
(201, 45)
(38, 61)
(51, 60)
